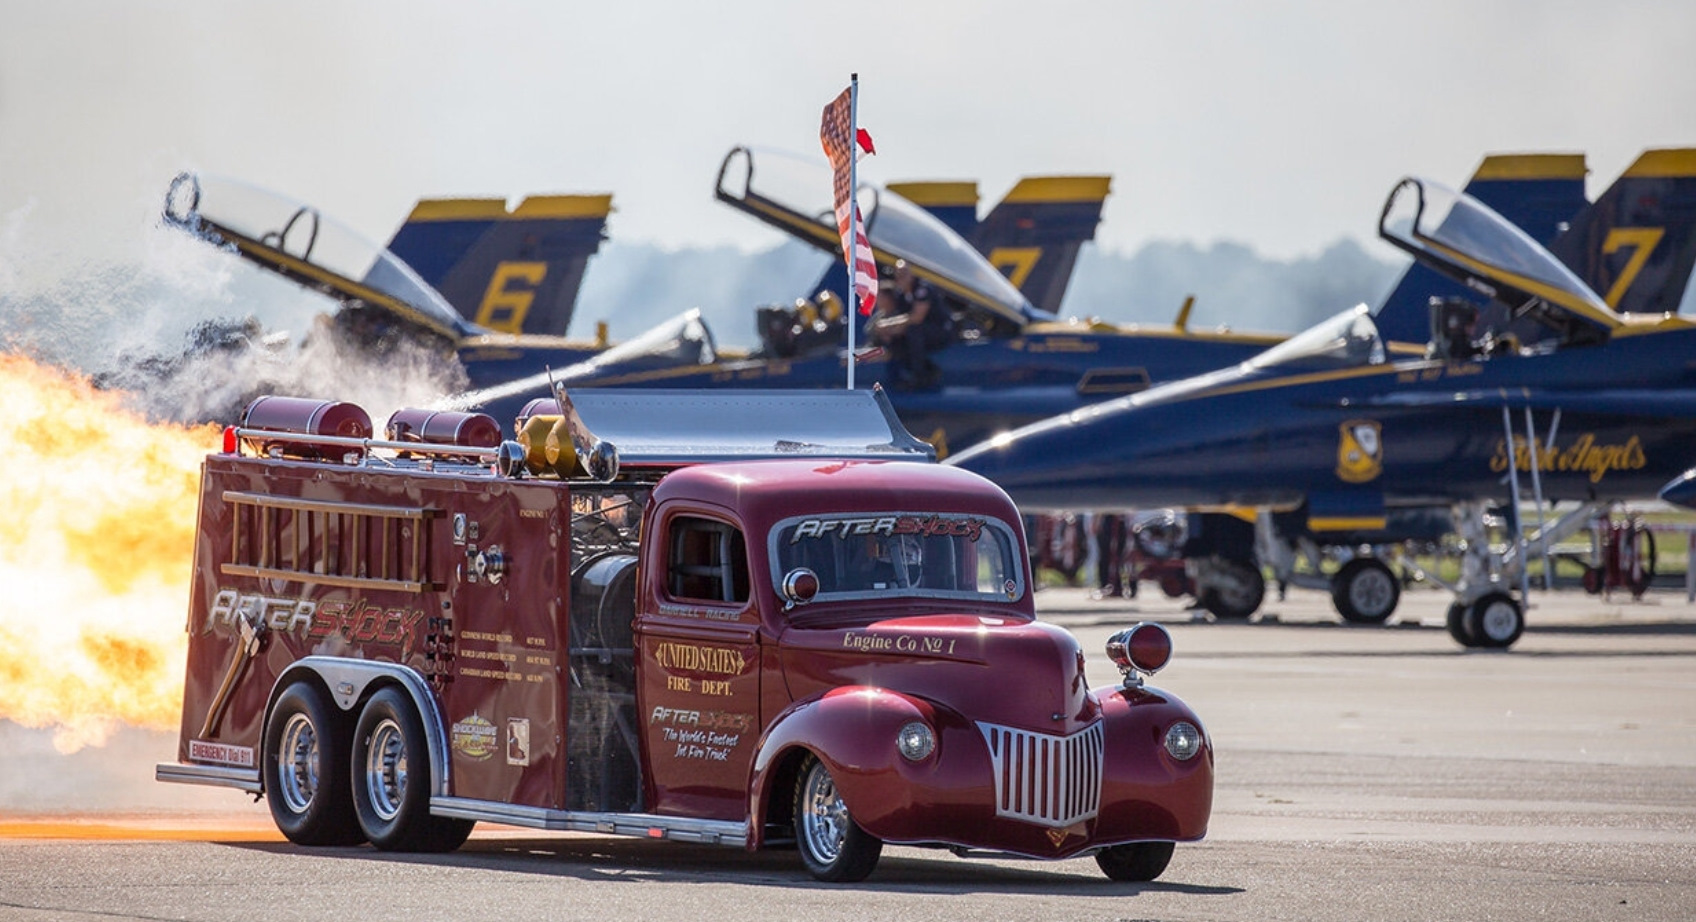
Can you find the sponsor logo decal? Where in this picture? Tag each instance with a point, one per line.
(1360, 451)
(220, 753)
(474, 738)
(518, 741)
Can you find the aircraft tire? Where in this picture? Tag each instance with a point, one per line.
(1495, 621)
(1243, 589)
(1456, 623)
(1364, 591)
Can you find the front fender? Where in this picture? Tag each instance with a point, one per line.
(1145, 792)
(851, 730)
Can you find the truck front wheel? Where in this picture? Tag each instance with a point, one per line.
(305, 769)
(1138, 861)
(833, 847)
(391, 780)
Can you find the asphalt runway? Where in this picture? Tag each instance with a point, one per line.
(1364, 773)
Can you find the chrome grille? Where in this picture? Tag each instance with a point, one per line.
(1043, 779)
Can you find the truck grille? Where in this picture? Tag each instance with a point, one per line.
(1042, 779)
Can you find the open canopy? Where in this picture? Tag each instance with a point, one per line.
(296, 241)
(793, 194)
(1462, 238)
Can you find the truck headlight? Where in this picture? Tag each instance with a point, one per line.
(1183, 741)
(915, 741)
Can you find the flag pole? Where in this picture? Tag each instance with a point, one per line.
(852, 314)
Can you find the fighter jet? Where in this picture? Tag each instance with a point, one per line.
(1530, 380)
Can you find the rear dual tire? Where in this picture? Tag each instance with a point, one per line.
(305, 769)
(329, 785)
(391, 780)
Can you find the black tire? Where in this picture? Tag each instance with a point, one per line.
(1456, 623)
(1245, 589)
(305, 769)
(1364, 591)
(1138, 861)
(833, 847)
(1495, 621)
(391, 779)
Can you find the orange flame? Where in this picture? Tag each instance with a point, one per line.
(97, 512)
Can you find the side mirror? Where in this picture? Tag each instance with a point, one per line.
(800, 585)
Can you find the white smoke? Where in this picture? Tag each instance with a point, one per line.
(189, 333)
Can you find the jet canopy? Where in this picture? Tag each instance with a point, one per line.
(1347, 340)
(793, 194)
(296, 241)
(1464, 239)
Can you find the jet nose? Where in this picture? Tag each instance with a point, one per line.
(1041, 464)
(1681, 491)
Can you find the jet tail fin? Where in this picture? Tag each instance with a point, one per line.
(1035, 233)
(1032, 236)
(516, 271)
(1637, 244)
(1539, 193)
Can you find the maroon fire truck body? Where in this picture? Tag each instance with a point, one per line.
(636, 623)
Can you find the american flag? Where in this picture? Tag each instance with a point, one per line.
(839, 137)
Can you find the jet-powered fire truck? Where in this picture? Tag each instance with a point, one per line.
(747, 619)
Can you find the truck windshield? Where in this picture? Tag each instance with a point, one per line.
(878, 555)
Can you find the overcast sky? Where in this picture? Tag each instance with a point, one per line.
(1281, 125)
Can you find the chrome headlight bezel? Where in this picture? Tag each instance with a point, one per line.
(1183, 741)
(916, 741)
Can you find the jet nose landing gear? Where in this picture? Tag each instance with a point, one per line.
(1492, 621)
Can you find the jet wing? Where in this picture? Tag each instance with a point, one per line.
(1621, 402)
(296, 242)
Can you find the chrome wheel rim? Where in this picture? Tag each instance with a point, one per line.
(297, 763)
(824, 817)
(385, 769)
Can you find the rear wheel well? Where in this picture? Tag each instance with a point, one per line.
(298, 674)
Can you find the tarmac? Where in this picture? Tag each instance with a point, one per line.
(1362, 772)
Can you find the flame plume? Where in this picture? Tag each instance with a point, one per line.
(97, 512)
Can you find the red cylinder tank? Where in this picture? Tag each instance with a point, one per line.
(305, 416)
(444, 427)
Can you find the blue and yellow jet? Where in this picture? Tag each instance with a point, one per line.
(1531, 381)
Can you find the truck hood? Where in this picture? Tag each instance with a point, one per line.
(1007, 671)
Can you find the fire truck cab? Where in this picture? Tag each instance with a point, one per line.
(738, 618)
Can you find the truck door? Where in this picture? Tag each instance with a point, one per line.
(699, 682)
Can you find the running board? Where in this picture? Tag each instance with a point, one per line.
(641, 825)
(242, 779)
